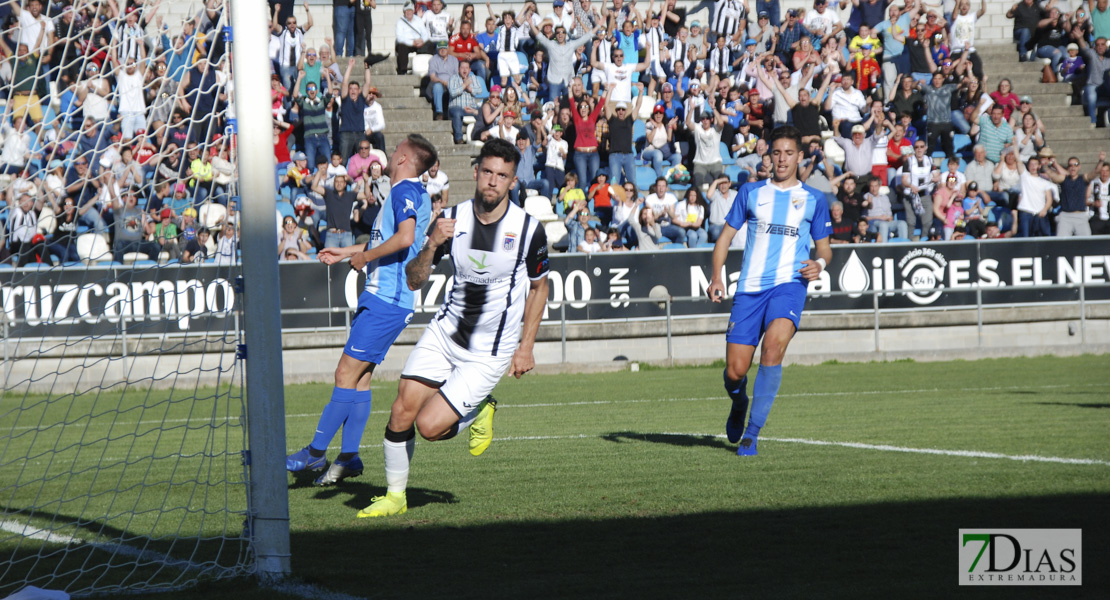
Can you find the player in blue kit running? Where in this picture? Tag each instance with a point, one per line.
(385, 307)
(785, 219)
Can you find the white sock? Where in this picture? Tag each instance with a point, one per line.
(398, 455)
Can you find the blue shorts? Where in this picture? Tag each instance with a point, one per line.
(753, 313)
(375, 327)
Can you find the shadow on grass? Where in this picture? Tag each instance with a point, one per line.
(862, 551)
(675, 439)
(1076, 404)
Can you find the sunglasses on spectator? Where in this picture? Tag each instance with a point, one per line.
(311, 54)
(1074, 164)
(364, 147)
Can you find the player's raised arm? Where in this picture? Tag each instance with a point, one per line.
(418, 271)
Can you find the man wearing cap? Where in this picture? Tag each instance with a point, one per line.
(442, 67)
(312, 109)
(560, 58)
(560, 16)
(790, 33)
(770, 9)
(859, 151)
(165, 234)
(708, 164)
(464, 87)
(622, 154)
(505, 129)
(412, 36)
(1072, 220)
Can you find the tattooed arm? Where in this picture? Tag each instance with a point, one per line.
(420, 268)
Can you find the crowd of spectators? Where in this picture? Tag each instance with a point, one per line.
(905, 135)
(115, 122)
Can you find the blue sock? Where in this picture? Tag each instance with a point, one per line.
(767, 384)
(335, 413)
(738, 391)
(356, 422)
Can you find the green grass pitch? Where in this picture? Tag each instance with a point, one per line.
(621, 485)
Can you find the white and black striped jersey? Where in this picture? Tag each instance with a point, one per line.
(679, 49)
(720, 60)
(727, 15)
(494, 267)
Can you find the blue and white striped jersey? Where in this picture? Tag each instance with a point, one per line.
(782, 226)
(385, 277)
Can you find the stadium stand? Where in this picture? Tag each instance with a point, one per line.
(133, 95)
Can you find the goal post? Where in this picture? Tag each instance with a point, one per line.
(269, 504)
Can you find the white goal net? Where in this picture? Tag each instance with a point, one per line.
(123, 438)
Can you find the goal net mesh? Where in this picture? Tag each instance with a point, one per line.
(122, 419)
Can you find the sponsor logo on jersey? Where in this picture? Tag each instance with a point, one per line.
(775, 229)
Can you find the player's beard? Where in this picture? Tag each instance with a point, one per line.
(488, 201)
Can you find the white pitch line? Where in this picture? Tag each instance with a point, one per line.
(509, 404)
(34, 533)
(856, 445)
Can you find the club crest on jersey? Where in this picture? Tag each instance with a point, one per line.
(798, 199)
(509, 242)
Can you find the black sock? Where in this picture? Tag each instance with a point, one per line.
(400, 436)
(346, 456)
(738, 392)
(314, 453)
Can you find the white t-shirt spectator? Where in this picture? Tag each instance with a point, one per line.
(29, 28)
(509, 135)
(684, 213)
(130, 89)
(437, 25)
(567, 20)
(621, 77)
(96, 107)
(438, 183)
(373, 117)
(554, 159)
(846, 106)
(17, 147)
(659, 205)
(1033, 190)
(708, 143)
(821, 23)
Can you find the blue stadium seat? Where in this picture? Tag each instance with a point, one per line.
(706, 245)
(5, 267)
(645, 177)
(733, 172)
(726, 156)
(639, 133)
(286, 209)
(897, 240)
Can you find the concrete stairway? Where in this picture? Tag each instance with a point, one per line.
(1067, 129)
(407, 111)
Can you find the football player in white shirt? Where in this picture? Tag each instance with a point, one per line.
(500, 257)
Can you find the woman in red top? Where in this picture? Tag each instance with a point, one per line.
(281, 141)
(586, 160)
(1005, 98)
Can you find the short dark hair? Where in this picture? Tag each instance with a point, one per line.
(425, 152)
(498, 148)
(786, 132)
